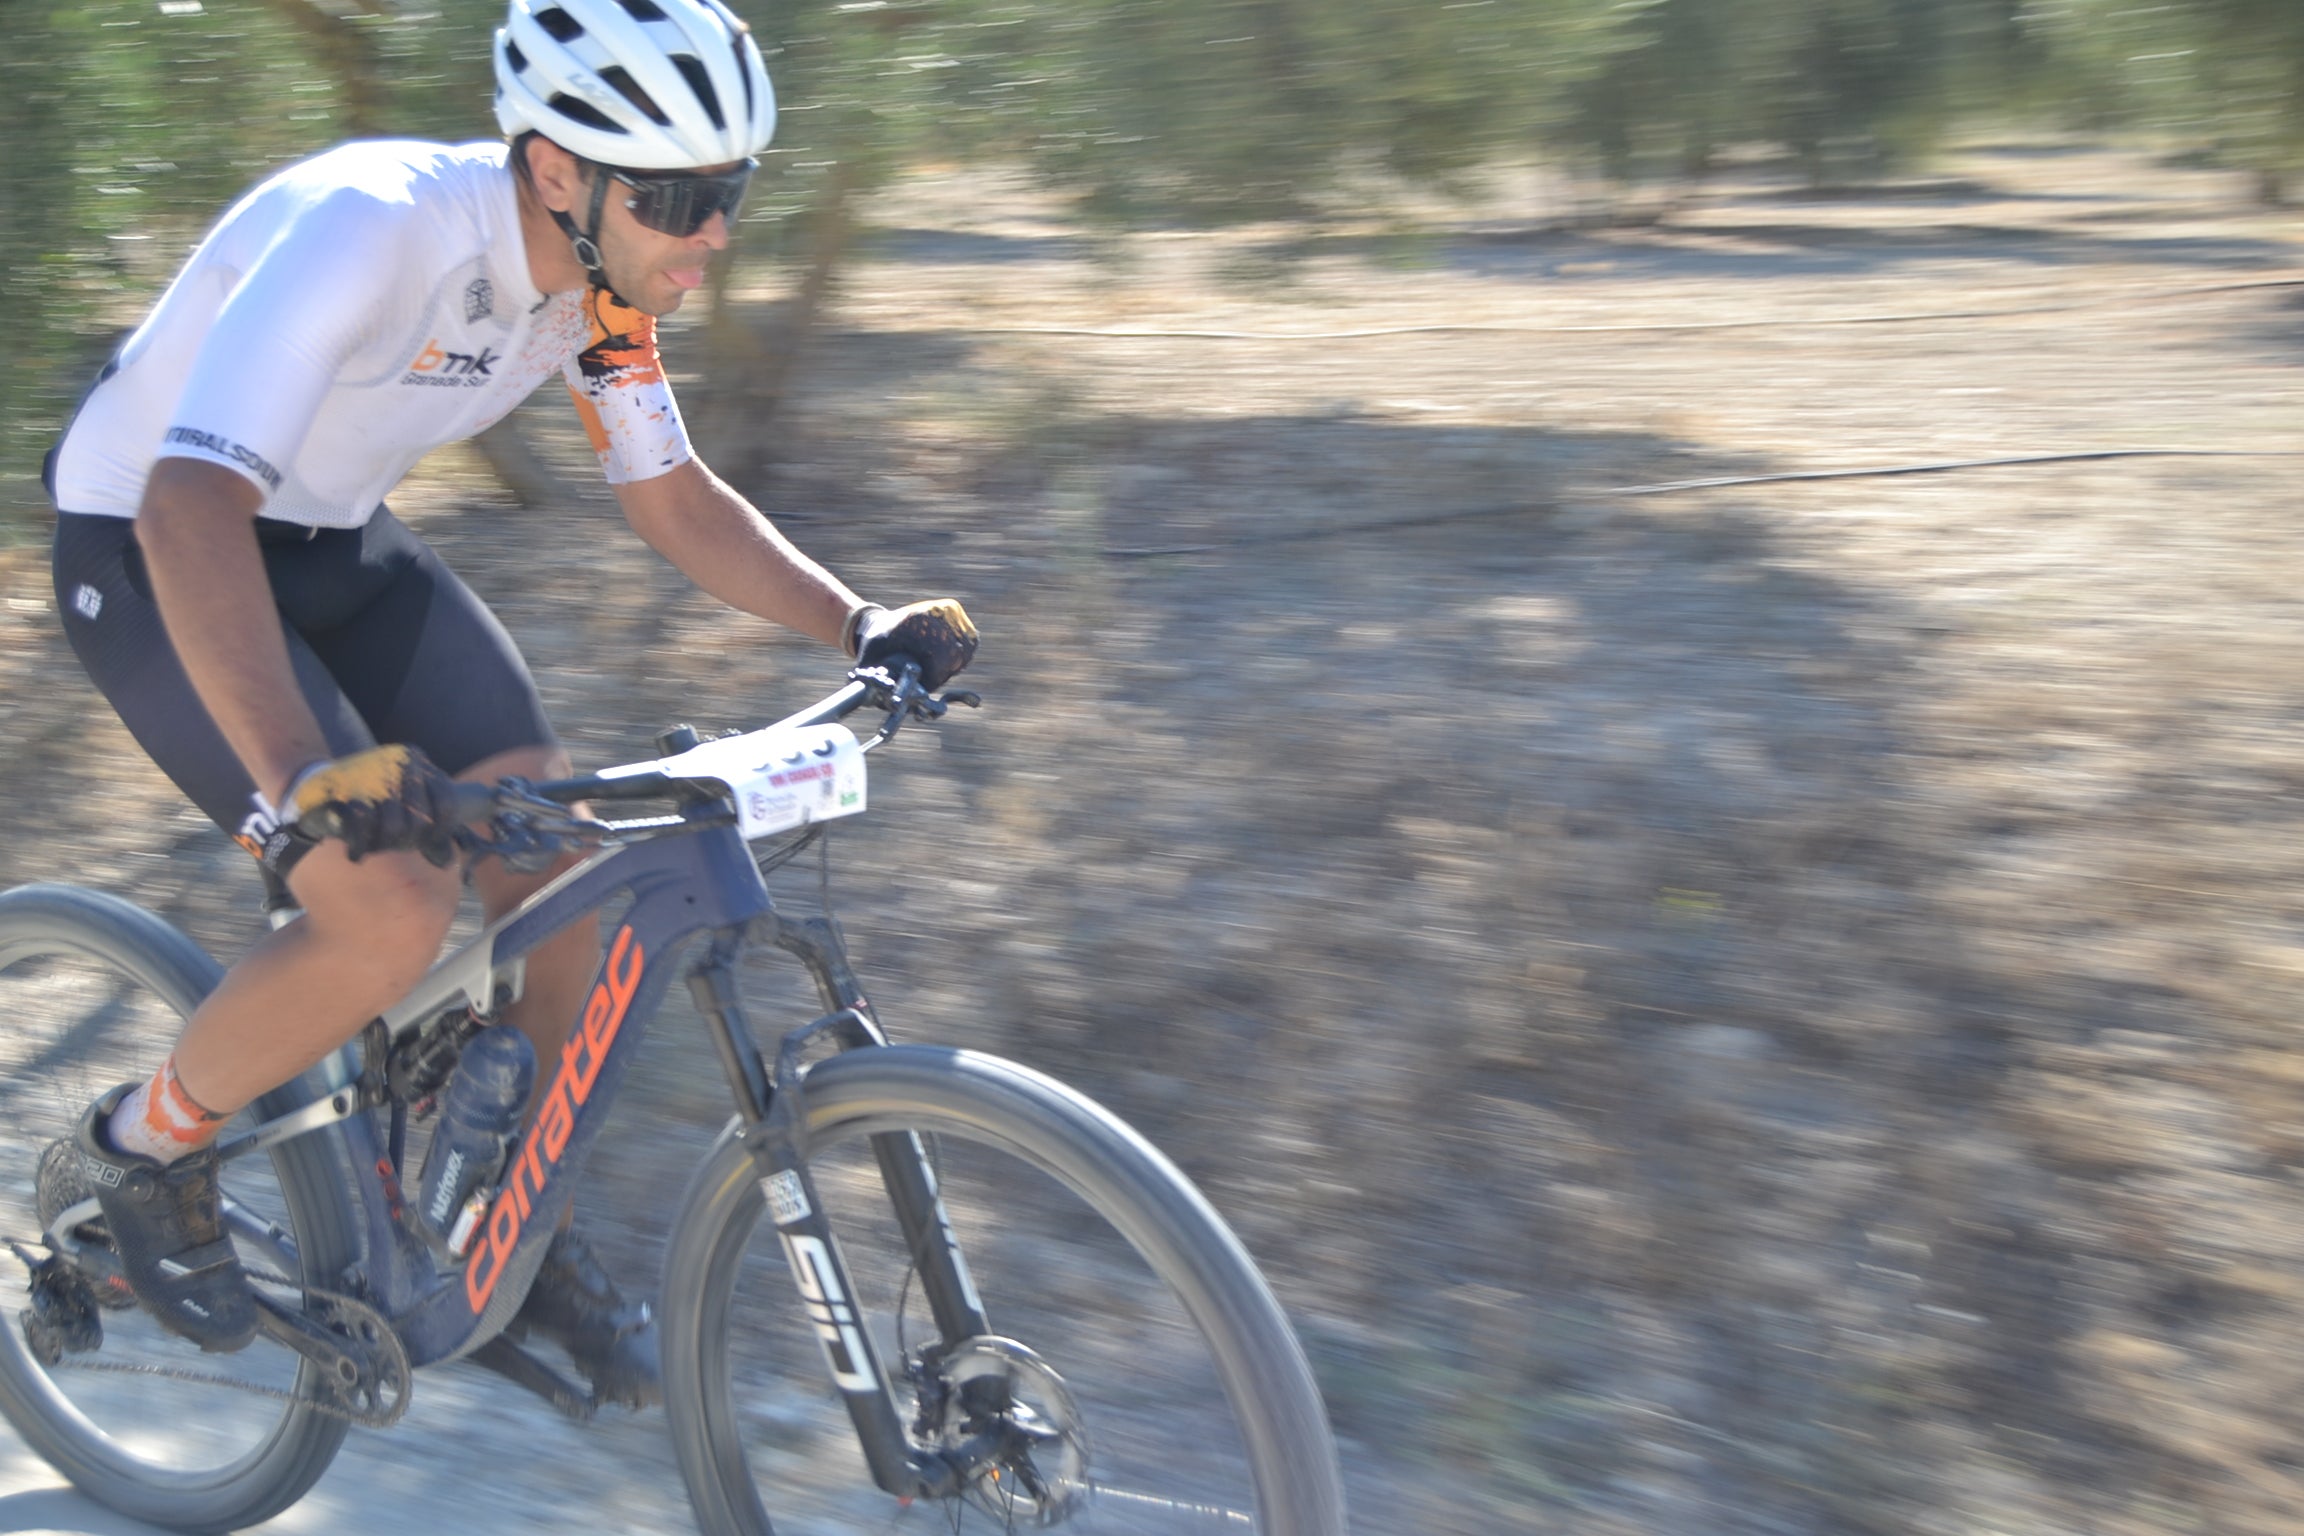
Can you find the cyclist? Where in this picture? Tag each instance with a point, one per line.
(279, 642)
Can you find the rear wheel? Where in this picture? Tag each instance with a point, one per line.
(93, 991)
(1138, 1377)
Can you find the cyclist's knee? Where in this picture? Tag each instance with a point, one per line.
(394, 907)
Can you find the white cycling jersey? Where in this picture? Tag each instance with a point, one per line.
(347, 317)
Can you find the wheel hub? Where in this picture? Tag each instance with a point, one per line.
(1006, 1422)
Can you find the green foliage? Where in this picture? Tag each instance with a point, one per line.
(1216, 108)
(2224, 74)
(1846, 86)
(130, 123)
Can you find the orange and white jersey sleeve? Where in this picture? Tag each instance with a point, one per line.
(621, 394)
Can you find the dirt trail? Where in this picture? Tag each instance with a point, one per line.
(1750, 1010)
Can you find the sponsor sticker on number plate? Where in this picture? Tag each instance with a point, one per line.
(778, 779)
(787, 1200)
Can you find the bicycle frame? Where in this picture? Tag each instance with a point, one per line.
(683, 882)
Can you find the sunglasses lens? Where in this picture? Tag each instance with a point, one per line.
(681, 205)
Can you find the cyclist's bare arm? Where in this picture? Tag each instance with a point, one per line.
(198, 532)
(726, 546)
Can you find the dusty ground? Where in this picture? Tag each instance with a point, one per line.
(1761, 1009)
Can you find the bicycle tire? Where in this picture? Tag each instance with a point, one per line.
(69, 1040)
(997, 1109)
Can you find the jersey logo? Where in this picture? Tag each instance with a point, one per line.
(479, 300)
(437, 365)
(225, 448)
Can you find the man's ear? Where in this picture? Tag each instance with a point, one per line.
(559, 177)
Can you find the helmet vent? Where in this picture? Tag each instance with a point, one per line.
(559, 25)
(584, 112)
(643, 84)
(692, 70)
(629, 89)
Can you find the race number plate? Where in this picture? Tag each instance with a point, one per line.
(779, 779)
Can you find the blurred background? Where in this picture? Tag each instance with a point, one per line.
(1642, 681)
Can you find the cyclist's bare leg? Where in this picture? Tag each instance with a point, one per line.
(369, 932)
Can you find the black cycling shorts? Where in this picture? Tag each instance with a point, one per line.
(387, 644)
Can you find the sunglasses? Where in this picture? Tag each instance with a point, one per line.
(679, 203)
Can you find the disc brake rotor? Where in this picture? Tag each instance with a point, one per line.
(1010, 1424)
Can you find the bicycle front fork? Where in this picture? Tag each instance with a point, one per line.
(772, 1109)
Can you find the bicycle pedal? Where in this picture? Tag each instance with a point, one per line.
(517, 1365)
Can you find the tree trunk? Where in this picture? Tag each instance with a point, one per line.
(519, 467)
(750, 360)
(342, 47)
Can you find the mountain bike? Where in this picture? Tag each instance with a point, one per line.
(901, 1273)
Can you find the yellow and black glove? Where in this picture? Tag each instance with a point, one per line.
(935, 633)
(377, 801)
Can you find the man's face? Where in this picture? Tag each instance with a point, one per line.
(650, 271)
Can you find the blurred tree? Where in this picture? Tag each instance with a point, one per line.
(2227, 75)
(127, 125)
(1848, 87)
(131, 122)
(1154, 109)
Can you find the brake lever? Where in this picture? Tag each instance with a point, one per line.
(524, 831)
(524, 848)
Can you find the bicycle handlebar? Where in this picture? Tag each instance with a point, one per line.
(902, 691)
(894, 687)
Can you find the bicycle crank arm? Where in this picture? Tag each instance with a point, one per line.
(283, 1324)
(364, 1370)
(517, 1365)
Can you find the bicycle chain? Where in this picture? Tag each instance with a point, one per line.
(367, 1328)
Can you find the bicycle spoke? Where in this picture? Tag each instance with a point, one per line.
(94, 990)
(1095, 1405)
(1209, 1514)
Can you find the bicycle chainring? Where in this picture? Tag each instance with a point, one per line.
(381, 1393)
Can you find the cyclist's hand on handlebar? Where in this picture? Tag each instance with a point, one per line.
(383, 799)
(935, 633)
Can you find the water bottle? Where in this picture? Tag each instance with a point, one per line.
(479, 1113)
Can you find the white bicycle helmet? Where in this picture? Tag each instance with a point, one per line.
(642, 84)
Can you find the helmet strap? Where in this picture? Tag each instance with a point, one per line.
(585, 241)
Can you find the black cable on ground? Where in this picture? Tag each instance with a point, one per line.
(1669, 487)
(1148, 333)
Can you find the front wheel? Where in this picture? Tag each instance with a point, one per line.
(1157, 1372)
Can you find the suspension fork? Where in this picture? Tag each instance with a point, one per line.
(774, 1125)
(905, 1167)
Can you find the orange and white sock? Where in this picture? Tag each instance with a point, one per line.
(160, 1120)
